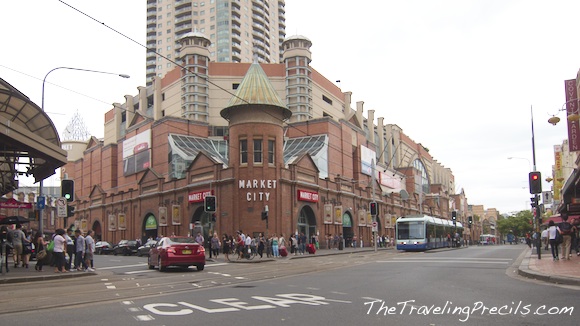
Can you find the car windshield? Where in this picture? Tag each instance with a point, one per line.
(181, 240)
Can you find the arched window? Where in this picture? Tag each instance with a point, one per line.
(424, 180)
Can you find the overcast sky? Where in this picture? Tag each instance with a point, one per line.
(460, 77)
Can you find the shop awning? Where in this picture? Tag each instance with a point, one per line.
(27, 138)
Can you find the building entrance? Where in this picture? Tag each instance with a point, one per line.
(347, 229)
(307, 223)
(149, 228)
(203, 222)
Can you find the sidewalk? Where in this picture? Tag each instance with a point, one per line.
(548, 270)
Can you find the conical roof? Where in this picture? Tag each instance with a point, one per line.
(255, 89)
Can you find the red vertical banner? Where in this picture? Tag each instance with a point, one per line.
(572, 108)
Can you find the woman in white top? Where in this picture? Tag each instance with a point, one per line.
(552, 236)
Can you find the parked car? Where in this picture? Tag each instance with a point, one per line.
(144, 249)
(126, 248)
(103, 248)
(176, 251)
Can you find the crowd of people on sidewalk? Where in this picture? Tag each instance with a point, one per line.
(562, 238)
(240, 245)
(64, 251)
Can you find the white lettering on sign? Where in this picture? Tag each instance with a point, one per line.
(308, 196)
(257, 184)
(234, 304)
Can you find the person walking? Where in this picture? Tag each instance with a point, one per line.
(275, 246)
(552, 236)
(79, 264)
(70, 248)
(40, 245)
(59, 250)
(566, 229)
(215, 244)
(17, 243)
(89, 251)
(226, 247)
(261, 245)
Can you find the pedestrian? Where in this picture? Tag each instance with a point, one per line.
(70, 248)
(59, 251)
(575, 236)
(199, 239)
(302, 243)
(215, 244)
(79, 264)
(261, 245)
(17, 243)
(226, 247)
(544, 237)
(552, 236)
(42, 255)
(566, 229)
(89, 251)
(275, 243)
(5, 244)
(27, 248)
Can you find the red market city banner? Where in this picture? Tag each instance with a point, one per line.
(308, 196)
(572, 108)
(199, 196)
(13, 203)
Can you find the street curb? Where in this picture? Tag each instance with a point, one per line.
(525, 271)
(46, 277)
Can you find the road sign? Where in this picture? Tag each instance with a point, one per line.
(375, 226)
(61, 209)
(40, 202)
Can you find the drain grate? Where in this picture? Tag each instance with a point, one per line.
(244, 286)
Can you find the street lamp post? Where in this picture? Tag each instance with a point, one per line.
(40, 184)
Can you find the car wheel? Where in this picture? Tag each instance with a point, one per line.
(161, 267)
(200, 267)
(149, 263)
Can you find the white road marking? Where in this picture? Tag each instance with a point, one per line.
(144, 318)
(443, 261)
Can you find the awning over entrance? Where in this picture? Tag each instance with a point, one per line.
(27, 137)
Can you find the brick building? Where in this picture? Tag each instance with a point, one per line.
(279, 138)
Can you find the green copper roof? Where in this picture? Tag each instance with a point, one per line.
(255, 89)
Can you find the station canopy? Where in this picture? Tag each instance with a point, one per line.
(29, 142)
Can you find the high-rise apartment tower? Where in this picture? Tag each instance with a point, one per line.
(238, 30)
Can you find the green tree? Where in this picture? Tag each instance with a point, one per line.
(518, 224)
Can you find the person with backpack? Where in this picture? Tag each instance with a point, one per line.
(566, 230)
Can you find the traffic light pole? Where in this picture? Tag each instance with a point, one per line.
(537, 215)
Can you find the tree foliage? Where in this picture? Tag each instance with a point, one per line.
(518, 224)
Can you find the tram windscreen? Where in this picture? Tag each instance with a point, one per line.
(410, 230)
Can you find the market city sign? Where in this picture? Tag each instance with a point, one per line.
(257, 189)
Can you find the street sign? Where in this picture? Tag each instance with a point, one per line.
(61, 207)
(375, 226)
(40, 202)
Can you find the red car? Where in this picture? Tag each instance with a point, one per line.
(176, 251)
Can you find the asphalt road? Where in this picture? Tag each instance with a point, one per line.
(473, 286)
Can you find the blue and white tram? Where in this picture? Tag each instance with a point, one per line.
(423, 232)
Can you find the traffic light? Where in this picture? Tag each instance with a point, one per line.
(535, 182)
(209, 204)
(264, 215)
(67, 190)
(70, 211)
(454, 215)
(373, 208)
(470, 220)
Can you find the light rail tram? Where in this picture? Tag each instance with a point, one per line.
(423, 232)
